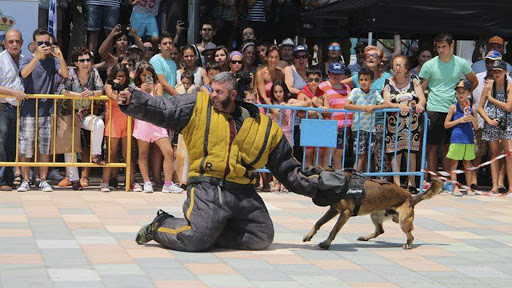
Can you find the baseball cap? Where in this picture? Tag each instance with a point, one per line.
(493, 55)
(463, 84)
(300, 48)
(209, 46)
(496, 40)
(336, 68)
(498, 65)
(287, 42)
(134, 48)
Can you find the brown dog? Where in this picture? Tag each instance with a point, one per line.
(382, 201)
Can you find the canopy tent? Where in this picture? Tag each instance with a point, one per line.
(462, 18)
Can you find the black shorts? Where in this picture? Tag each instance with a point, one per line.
(436, 133)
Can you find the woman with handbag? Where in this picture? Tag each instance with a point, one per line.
(494, 107)
(83, 82)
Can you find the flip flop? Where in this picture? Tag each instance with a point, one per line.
(502, 190)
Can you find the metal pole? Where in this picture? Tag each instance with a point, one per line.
(370, 38)
(193, 20)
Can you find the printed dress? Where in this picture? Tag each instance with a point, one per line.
(400, 122)
(493, 133)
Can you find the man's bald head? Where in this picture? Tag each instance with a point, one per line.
(13, 42)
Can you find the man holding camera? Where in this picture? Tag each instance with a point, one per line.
(38, 71)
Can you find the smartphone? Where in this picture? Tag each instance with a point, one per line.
(149, 78)
(185, 24)
(125, 28)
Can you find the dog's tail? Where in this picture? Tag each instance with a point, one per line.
(435, 188)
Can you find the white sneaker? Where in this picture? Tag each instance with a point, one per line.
(55, 175)
(148, 187)
(45, 187)
(137, 187)
(24, 187)
(104, 187)
(172, 188)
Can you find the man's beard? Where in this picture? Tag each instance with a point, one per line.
(225, 104)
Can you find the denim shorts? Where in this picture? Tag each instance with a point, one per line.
(97, 15)
(144, 24)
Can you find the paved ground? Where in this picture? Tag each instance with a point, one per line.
(85, 239)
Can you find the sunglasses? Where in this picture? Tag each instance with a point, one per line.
(317, 80)
(84, 60)
(149, 48)
(207, 29)
(359, 51)
(236, 61)
(372, 55)
(300, 56)
(335, 48)
(47, 43)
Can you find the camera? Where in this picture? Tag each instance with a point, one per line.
(115, 86)
(149, 78)
(502, 125)
(243, 77)
(125, 29)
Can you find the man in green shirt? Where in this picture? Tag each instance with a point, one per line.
(441, 74)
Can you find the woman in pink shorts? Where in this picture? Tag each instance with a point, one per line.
(146, 133)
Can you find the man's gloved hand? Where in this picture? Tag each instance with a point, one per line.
(332, 186)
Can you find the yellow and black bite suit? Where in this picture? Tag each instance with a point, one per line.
(222, 208)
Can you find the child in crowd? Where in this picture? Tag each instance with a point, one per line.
(187, 83)
(116, 124)
(462, 118)
(366, 100)
(147, 133)
(212, 69)
(336, 95)
(143, 18)
(251, 96)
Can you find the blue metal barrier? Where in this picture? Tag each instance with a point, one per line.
(322, 133)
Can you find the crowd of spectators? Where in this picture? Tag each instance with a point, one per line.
(270, 68)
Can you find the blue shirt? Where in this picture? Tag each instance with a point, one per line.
(40, 81)
(362, 120)
(165, 67)
(378, 85)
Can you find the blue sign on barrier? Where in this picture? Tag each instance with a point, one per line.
(318, 133)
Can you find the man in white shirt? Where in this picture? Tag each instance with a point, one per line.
(494, 43)
(11, 86)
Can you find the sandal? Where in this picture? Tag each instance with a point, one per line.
(502, 190)
(412, 189)
(96, 159)
(84, 182)
(17, 181)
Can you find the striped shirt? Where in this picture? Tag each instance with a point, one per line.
(258, 12)
(111, 3)
(337, 99)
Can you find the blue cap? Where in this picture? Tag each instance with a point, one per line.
(499, 65)
(300, 48)
(493, 55)
(463, 84)
(336, 68)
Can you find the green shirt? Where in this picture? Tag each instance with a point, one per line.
(442, 78)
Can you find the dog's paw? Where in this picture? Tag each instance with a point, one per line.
(325, 245)
(407, 246)
(307, 238)
(362, 238)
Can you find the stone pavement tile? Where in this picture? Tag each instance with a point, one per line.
(106, 254)
(362, 259)
(118, 269)
(416, 281)
(461, 247)
(317, 254)
(233, 254)
(25, 278)
(194, 257)
(429, 251)
(334, 265)
(64, 257)
(10, 204)
(320, 281)
(145, 252)
(33, 212)
(373, 285)
(482, 272)
(451, 278)
(123, 229)
(497, 283)
(81, 218)
(225, 281)
(180, 284)
(172, 274)
(84, 240)
(67, 284)
(90, 232)
(277, 284)
(248, 264)
(302, 270)
(13, 259)
(57, 244)
(481, 257)
(15, 233)
(284, 259)
(52, 234)
(365, 276)
(460, 234)
(75, 211)
(127, 281)
(148, 264)
(264, 275)
(210, 269)
(14, 225)
(12, 211)
(412, 261)
(486, 243)
(85, 226)
(73, 275)
(387, 270)
(13, 218)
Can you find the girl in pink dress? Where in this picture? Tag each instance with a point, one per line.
(146, 80)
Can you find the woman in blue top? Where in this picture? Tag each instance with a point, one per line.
(462, 117)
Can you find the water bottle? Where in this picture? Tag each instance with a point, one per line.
(467, 109)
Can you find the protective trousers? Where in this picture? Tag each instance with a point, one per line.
(218, 217)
